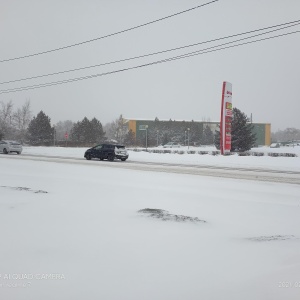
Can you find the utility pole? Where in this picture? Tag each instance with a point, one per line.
(146, 137)
(54, 135)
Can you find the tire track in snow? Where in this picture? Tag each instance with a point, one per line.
(256, 174)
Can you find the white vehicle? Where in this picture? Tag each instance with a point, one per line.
(10, 146)
(172, 145)
(275, 145)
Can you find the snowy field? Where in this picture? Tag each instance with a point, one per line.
(74, 231)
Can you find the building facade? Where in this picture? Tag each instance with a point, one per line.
(160, 132)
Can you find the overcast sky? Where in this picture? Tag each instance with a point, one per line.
(265, 76)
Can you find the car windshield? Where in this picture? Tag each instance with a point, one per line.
(120, 147)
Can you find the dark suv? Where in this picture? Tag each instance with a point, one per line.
(107, 151)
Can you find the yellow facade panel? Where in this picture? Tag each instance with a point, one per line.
(132, 126)
(268, 134)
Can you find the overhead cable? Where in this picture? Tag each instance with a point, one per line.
(282, 26)
(109, 35)
(194, 53)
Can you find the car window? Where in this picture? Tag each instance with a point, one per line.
(120, 147)
(98, 147)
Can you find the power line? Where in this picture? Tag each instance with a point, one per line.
(109, 35)
(199, 52)
(289, 24)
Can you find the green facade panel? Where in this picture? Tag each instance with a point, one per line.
(260, 133)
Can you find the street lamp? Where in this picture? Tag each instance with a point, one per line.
(185, 138)
(188, 138)
(146, 126)
(54, 135)
(157, 137)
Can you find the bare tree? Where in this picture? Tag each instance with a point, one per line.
(286, 135)
(21, 119)
(116, 130)
(6, 113)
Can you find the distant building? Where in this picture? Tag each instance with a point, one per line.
(183, 132)
(263, 133)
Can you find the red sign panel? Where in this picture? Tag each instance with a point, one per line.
(226, 117)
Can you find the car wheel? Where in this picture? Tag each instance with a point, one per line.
(111, 157)
(123, 159)
(5, 151)
(101, 158)
(18, 152)
(88, 157)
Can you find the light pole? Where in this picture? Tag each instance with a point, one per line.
(54, 135)
(146, 126)
(157, 137)
(188, 138)
(185, 138)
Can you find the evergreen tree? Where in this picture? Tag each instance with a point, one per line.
(88, 132)
(165, 138)
(217, 137)
(75, 132)
(195, 133)
(40, 130)
(97, 131)
(208, 136)
(242, 137)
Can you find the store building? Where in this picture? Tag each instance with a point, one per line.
(195, 132)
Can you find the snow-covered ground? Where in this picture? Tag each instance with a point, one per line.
(74, 231)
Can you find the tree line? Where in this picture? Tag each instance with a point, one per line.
(22, 126)
(19, 124)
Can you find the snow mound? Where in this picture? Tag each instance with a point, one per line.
(272, 238)
(166, 216)
(20, 188)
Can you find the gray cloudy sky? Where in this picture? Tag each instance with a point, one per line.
(265, 76)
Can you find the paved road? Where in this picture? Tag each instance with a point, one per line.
(257, 174)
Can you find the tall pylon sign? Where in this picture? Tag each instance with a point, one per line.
(226, 117)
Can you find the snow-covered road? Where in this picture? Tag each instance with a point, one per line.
(249, 173)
